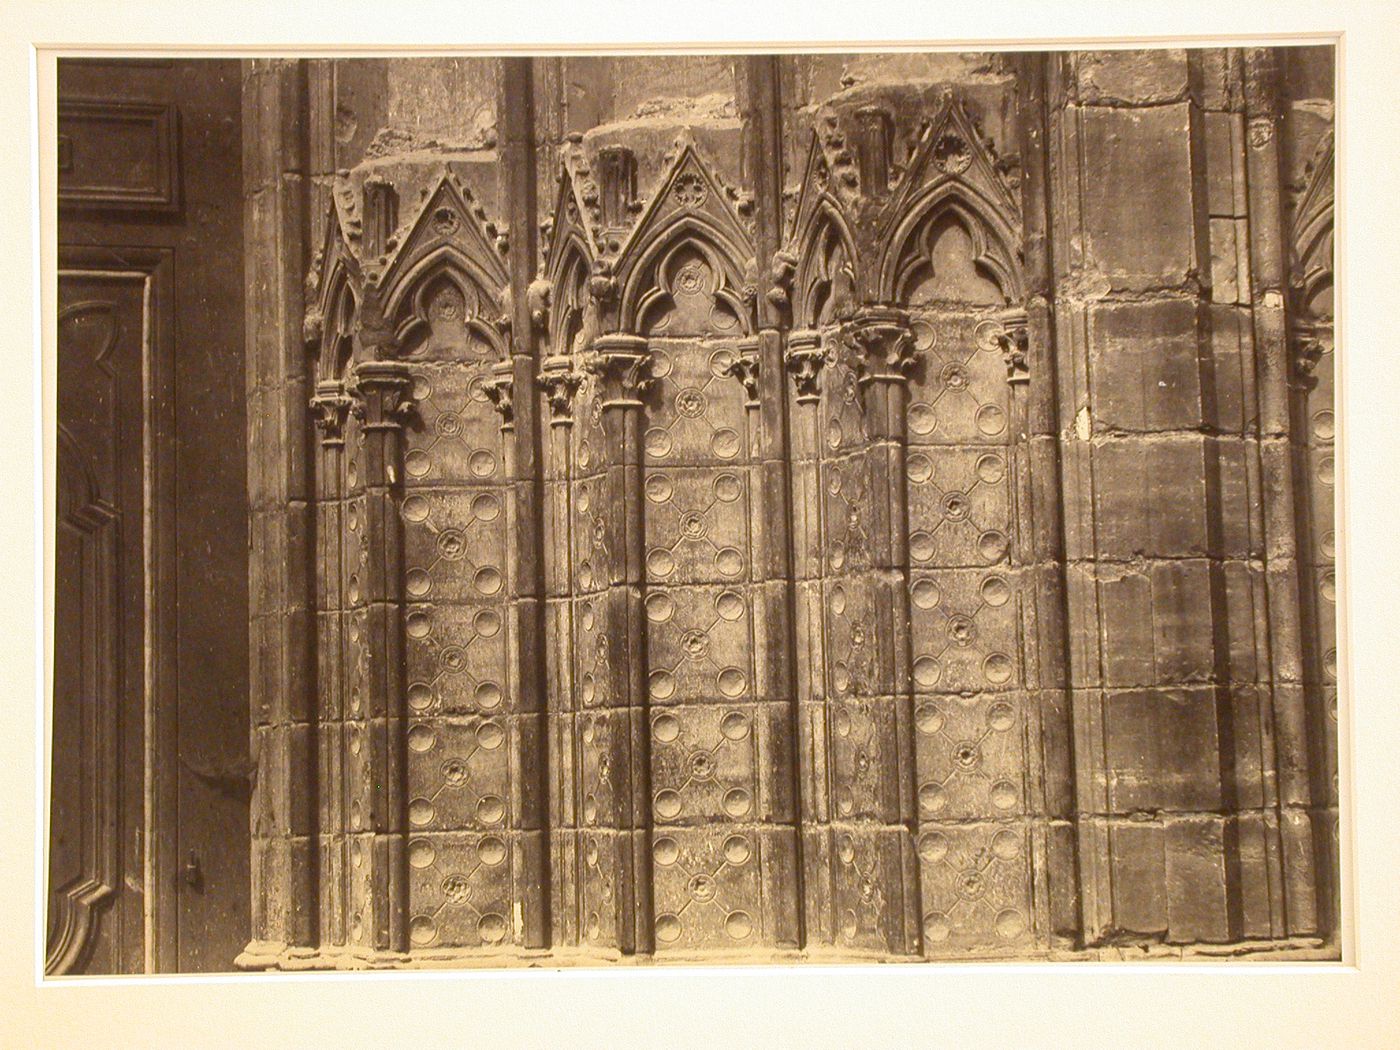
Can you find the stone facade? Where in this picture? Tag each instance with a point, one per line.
(867, 506)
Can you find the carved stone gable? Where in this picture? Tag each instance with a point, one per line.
(689, 247)
(451, 224)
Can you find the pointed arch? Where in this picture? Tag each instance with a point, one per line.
(568, 278)
(337, 326)
(1312, 237)
(692, 259)
(450, 232)
(827, 265)
(689, 215)
(334, 292)
(948, 204)
(442, 305)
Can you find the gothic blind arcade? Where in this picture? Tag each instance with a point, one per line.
(810, 505)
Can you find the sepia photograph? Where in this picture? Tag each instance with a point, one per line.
(779, 507)
(675, 515)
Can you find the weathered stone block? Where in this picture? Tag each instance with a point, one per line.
(1125, 626)
(970, 755)
(1144, 363)
(865, 761)
(1135, 515)
(1137, 859)
(1162, 750)
(1229, 265)
(724, 891)
(1133, 157)
(1182, 637)
(861, 879)
(1131, 77)
(976, 898)
(1220, 78)
(1246, 624)
(1244, 725)
(1197, 908)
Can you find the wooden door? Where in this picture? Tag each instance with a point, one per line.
(149, 804)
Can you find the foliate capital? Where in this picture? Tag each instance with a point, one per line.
(883, 343)
(1310, 345)
(1009, 333)
(500, 389)
(622, 364)
(805, 357)
(745, 368)
(560, 382)
(382, 394)
(331, 405)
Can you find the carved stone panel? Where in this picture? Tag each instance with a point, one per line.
(697, 585)
(721, 786)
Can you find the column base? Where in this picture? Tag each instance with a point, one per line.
(268, 956)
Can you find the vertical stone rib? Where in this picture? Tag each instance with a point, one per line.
(620, 363)
(882, 346)
(516, 118)
(560, 383)
(1036, 415)
(281, 569)
(804, 357)
(383, 389)
(771, 451)
(331, 405)
(1268, 253)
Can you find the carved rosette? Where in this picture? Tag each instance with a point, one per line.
(330, 406)
(622, 364)
(805, 356)
(560, 382)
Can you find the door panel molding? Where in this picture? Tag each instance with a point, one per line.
(86, 516)
(153, 839)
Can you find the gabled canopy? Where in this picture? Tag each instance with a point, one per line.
(952, 170)
(450, 232)
(691, 205)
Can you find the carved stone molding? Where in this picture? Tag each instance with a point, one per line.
(1311, 342)
(500, 389)
(560, 382)
(883, 343)
(780, 278)
(383, 399)
(331, 405)
(1010, 334)
(540, 297)
(622, 364)
(862, 225)
(805, 357)
(745, 368)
